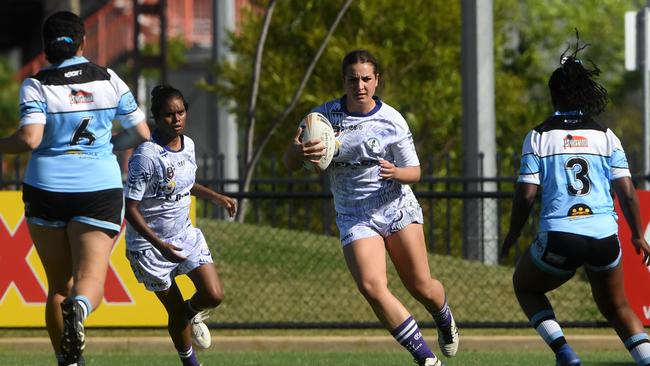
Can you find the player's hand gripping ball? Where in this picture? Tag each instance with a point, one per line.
(316, 126)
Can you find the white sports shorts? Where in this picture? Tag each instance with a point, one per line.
(157, 273)
(384, 220)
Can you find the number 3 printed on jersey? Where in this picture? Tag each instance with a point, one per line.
(580, 185)
(81, 135)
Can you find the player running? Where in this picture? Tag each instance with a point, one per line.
(161, 241)
(73, 186)
(376, 211)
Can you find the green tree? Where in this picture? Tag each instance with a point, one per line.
(418, 44)
(9, 86)
(530, 36)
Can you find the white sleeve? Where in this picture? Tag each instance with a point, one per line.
(618, 164)
(128, 113)
(530, 163)
(33, 107)
(403, 148)
(141, 174)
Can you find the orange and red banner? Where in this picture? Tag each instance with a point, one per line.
(23, 285)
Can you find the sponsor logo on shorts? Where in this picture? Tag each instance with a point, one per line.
(554, 258)
(157, 286)
(345, 238)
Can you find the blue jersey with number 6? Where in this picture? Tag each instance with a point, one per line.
(574, 159)
(77, 102)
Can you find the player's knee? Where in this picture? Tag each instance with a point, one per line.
(424, 288)
(614, 308)
(372, 290)
(215, 297)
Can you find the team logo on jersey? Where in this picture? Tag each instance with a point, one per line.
(571, 141)
(168, 187)
(373, 145)
(579, 210)
(80, 97)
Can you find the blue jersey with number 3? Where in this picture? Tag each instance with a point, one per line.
(77, 102)
(574, 159)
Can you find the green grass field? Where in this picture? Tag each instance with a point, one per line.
(315, 359)
(276, 275)
(266, 271)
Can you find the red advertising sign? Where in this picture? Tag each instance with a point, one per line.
(636, 275)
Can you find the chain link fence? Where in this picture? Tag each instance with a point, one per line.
(283, 266)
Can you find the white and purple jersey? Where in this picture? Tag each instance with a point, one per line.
(574, 159)
(77, 102)
(365, 139)
(161, 180)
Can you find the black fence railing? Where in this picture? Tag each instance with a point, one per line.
(282, 266)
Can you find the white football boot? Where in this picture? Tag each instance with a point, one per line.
(448, 338)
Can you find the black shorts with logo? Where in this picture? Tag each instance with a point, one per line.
(103, 209)
(562, 253)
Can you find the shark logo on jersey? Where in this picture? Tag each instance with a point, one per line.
(373, 145)
(80, 97)
(571, 141)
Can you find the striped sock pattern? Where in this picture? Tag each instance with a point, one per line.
(443, 316)
(409, 336)
(188, 358)
(548, 328)
(639, 347)
(85, 305)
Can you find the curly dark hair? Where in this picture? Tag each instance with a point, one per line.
(160, 94)
(573, 87)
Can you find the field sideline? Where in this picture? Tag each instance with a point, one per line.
(320, 347)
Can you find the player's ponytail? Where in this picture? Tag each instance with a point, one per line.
(63, 33)
(573, 87)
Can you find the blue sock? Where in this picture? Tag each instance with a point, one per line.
(409, 336)
(188, 358)
(85, 305)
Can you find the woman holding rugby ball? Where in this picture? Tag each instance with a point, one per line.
(376, 211)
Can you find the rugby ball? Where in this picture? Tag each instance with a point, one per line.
(316, 126)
